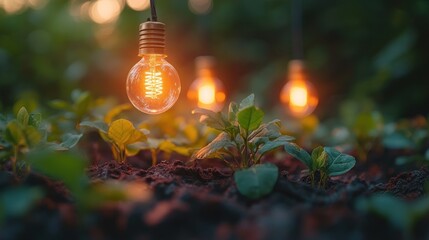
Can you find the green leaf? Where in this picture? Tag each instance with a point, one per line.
(232, 112)
(256, 181)
(250, 118)
(249, 101)
(266, 132)
(32, 136)
(35, 119)
(212, 119)
(14, 133)
(82, 103)
(338, 163)
(70, 140)
(299, 154)
(271, 145)
(64, 166)
(319, 157)
(99, 125)
(221, 142)
(23, 116)
(120, 131)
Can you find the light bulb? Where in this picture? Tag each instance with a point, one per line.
(207, 91)
(153, 85)
(298, 94)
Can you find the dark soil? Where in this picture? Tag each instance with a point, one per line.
(202, 202)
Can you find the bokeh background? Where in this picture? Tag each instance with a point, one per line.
(359, 53)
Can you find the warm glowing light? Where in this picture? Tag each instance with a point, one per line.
(13, 6)
(153, 85)
(206, 94)
(298, 95)
(206, 91)
(85, 9)
(138, 5)
(105, 11)
(200, 6)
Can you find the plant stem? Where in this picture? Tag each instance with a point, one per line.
(246, 150)
(14, 158)
(153, 153)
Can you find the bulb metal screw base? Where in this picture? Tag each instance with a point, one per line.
(152, 38)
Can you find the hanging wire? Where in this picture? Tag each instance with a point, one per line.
(297, 48)
(154, 17)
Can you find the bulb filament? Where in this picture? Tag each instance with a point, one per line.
(153, 84)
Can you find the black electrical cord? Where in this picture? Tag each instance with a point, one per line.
(297, 48)
(154, 17)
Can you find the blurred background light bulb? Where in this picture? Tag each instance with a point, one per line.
(153, 85)
(298, 95)
(206, 91)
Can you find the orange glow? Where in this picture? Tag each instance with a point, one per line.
(105, 11)
(206, 94)
(206, 91)
(298, 95)
(138, 5)
(153, 85)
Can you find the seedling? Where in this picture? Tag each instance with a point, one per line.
(21, 134)
(25, 133)
(323, 162)
(243, 139)
(120, 134)
(242, 142)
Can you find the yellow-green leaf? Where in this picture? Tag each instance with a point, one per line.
(120, 131)
(136, 136)
(23, 116)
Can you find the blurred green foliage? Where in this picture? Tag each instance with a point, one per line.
(354, 49)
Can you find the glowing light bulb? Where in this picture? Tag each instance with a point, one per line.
(298, 94)
(207, 91)
(153, 85)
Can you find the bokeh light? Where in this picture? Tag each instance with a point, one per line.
(138, 5)
(200, 6)
(105, 11)
(13, 6)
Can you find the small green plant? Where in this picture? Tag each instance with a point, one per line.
(21, 134)
(80, 105)
(24, 133)
(135, 143)
(120, 134)
(242, 142)
(243, 138)
(322, 163)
